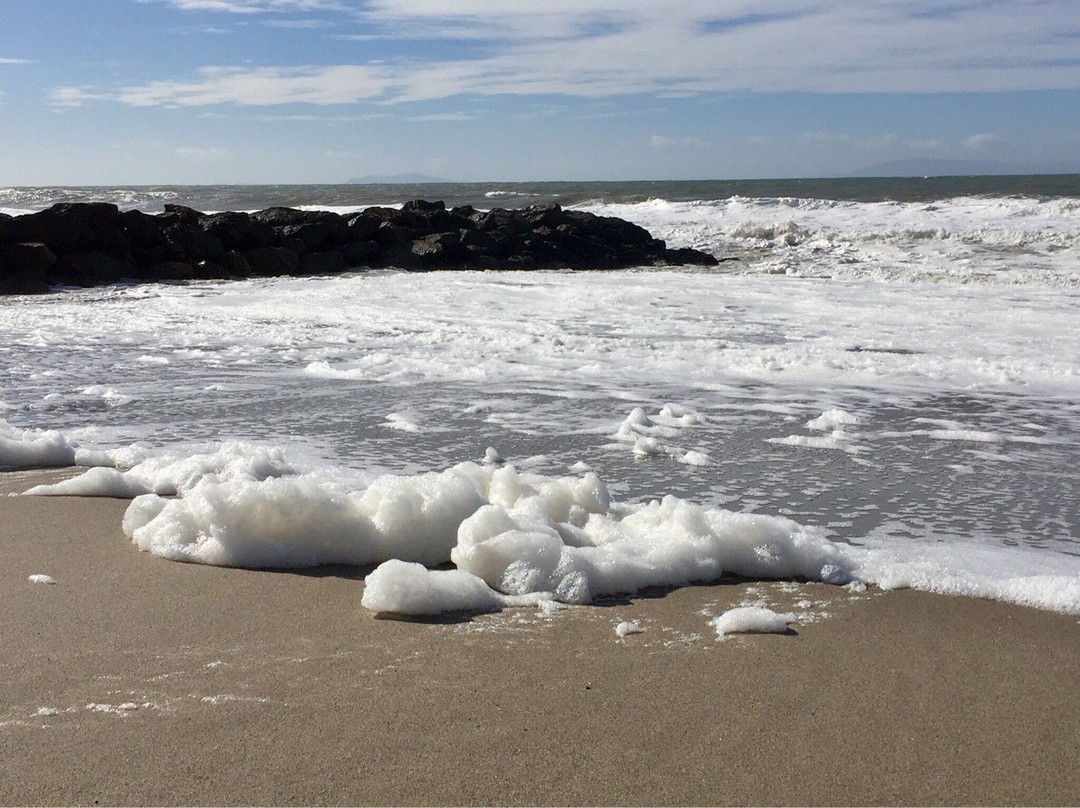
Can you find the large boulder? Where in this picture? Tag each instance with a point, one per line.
(196, 243)
(440, 250)
(273, 261)
(27, 256)
(92, 268)
(54, 227)
(322, 263)
(24, 269)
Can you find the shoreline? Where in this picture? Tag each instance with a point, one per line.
(135, 680)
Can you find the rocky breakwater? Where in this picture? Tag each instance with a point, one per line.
(91, 244)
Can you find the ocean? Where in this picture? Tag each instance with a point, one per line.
(880, 384)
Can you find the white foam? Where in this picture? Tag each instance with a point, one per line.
(27, 449)
(751, 620)
(971, 435)
(628, 627)
(696, 457)
(1017, 240)
(41, 579)
(401, 587)
(832, 420)
(306, 521)
(811, 442)
(402, 421)
(972, 569)
(169, 475)
(648, 434)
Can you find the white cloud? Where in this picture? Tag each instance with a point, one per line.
(6, 61)
(200, 153)
(588, 48)
(983, 140)
(69, 97)
(250, 6)
(664, 142)
(339, 84)
(443, 116)
(826, 137)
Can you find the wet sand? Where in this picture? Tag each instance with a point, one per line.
(135, 680)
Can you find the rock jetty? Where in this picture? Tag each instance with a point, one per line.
(92, 244)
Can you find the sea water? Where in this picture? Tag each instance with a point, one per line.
(879, 384)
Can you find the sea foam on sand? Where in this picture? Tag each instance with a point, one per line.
(511, 534)
(751, 620)
(515, 537)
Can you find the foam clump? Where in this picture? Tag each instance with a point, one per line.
(751, 620)
(401, 587)
(29, 449)
(835, 422)
(169, 475)
(608, 549)
(524, 537)
(832, 420)
(41, 579)
(648, 434)
(305, 521)
(628, 627)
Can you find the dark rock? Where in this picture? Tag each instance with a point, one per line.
(88, 269)
(422, 206)
(440, 250)
(310, 236)
(332, 224)
(23, 283)
(235, 264)
(27, 257)
(181, 213)
(362, 227)
(358, 253)
(498, 220)
(197, 244)
(92, 243)
(273, 261)
(148, 242)
(230, 228)
(24, 268)
(59, 231)
(322, 263)
(210, 271)
(689, 257)
(543, 215)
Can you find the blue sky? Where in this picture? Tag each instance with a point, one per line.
(250, 91)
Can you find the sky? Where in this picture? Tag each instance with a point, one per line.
(119, 92)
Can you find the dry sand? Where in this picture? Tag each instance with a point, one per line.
(260, 687)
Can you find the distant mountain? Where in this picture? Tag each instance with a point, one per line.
(396, 179)
(937, 168)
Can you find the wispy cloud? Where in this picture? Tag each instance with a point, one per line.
(443, 116)
(201, 153)
(339, 84)
(664, 142)
(983, 140)
(586, 48)
(251, 6)
(5, 61)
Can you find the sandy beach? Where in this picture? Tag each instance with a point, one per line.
(134, 680)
